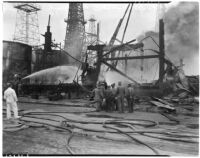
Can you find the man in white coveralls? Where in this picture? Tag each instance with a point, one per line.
(11, 101)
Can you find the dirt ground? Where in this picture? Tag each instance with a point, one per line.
(48, 141)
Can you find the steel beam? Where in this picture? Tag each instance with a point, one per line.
(121, 73)
(124, 47)
(132, 57)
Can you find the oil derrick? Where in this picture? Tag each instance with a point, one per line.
(92, 34)
(92, 38)
(75, 31)
(27, 28)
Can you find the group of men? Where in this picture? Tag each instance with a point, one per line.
(110, 98)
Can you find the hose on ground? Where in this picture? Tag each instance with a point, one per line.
(151, 123)
(68, 146)
(146, 123)
(170, 139)
(121, 122)
(133, 138)
(145, 133)
(105, 125)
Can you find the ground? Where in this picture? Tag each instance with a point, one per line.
(48, 140)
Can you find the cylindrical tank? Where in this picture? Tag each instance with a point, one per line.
(16, 60)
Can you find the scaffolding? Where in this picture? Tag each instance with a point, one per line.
(27, 27)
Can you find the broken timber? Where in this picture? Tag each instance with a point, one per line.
(159, 104)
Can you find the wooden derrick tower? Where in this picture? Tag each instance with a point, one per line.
(75, 31)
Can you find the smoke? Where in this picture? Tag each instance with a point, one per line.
(181, 40)
(74, 45)
(150, 66)
(114, 77)
(145, 70)
(182, 35)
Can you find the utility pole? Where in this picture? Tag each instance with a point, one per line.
(161, 50)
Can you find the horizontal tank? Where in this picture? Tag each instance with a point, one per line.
(16, 60)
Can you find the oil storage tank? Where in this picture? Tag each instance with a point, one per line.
(16, 60)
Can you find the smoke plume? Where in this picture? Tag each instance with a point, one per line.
(181, 38)
(74, 46)
(182, 35)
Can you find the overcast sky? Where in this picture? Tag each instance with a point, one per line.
(143, 18)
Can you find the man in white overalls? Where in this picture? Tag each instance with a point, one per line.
(11, 101)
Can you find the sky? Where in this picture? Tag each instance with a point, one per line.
(108, 14)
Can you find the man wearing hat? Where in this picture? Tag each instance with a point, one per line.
(120, 97)
(98, 97)
(130, 97)
(11, 101)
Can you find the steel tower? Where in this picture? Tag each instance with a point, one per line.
(75, 31)
(92, 35)
(27, 28)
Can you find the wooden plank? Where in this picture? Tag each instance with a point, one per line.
(131, 57)
(164, 102)
(159, 104)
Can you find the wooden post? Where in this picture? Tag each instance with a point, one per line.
(126, 64)
(162, 50)
(98, 31)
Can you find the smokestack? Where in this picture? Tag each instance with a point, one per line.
(48, 36)
(48, 27)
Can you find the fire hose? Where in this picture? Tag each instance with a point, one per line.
(133, 138)
(128, 123)
(116, 121)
